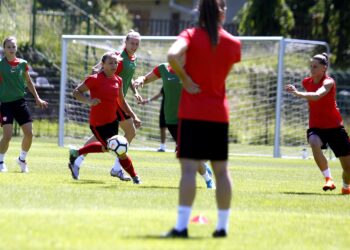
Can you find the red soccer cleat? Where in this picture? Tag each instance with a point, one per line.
(329, 185)
(345, 190)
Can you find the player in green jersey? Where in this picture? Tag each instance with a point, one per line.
(14, 78)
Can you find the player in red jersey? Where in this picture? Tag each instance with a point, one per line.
(126, 68)
(210, 53)
(106, 96)
(325, 121)
(14, 78)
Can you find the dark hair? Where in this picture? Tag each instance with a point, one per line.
(209, 17)
(110, 54)
(10, 38)
(321, 58)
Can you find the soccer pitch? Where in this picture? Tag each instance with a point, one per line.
(277, 204)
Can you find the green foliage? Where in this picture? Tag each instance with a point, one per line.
(115, 17)
(266, 18)
(332, 23)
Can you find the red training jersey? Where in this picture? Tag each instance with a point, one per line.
(107, 90)
(208, 67)
(324, 112)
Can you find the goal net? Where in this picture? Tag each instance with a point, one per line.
(264, 119)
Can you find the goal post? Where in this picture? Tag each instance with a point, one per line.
(264, 119)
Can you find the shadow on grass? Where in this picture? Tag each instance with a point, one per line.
(81, 182)
(133, 186)
(304, 193)
(162, 237)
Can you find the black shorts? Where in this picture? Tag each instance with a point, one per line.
(173, 130)
(162, 123)
(17, 110)
(336, 138)
(104, 132)
(121, 115)
(202, 140)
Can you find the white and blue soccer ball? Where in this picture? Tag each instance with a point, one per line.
(118, 144)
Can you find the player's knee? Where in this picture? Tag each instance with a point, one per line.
(315, 142)
(6, 137)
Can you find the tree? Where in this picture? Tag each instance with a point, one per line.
(265, 18)
(332, 23)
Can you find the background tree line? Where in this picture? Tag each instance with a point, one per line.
(326, 20)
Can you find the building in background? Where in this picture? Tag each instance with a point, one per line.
(169, 17)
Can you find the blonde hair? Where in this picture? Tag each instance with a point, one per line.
(10, 38)
(133, 34)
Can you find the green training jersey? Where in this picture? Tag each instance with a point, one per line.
(128, 70)
(172, 92)
(12, 80)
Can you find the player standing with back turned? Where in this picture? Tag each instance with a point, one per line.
(210, 53)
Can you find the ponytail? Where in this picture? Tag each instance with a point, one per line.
(209, 18)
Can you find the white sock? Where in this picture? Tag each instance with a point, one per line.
(2, 156)
(346, 186)
(162, 146)
(183, 217)
(23, 155)
(117, 167)
(223, 218)
(206, 176)
(327, 173)
(79, 161)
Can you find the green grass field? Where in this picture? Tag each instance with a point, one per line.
(277, 204)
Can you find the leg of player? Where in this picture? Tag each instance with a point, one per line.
(127, 165)
(162, 146)
(4, 144)
(345, 162)
(321, 161)
(223, 196)
(129, 129)
(205, 171)
(117, 171)
(80, 159)
(187, 193)
(74, 165)
(26, 144)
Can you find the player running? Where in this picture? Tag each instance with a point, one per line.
(325, 121)
(106, 96)
(126, 69)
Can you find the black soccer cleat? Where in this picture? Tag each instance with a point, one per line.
(219, 233)
(173, 233)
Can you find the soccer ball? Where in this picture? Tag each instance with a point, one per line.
(118, 144)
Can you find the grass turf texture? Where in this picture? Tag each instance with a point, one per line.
(277, 204)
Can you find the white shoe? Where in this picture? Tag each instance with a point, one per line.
(120, 174)
(23, 165)
(3, 168)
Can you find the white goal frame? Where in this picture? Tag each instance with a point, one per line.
(280, 74)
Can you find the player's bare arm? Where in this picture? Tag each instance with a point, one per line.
(41, 103)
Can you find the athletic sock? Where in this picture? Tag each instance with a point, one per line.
(346, 186)
(23, 155)
(2, 157)
(127, 165)
(79, 161)
(223, 219)
(327, 173)
(183, 217)
(117, 167)
(93, 147)
(206, 176)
